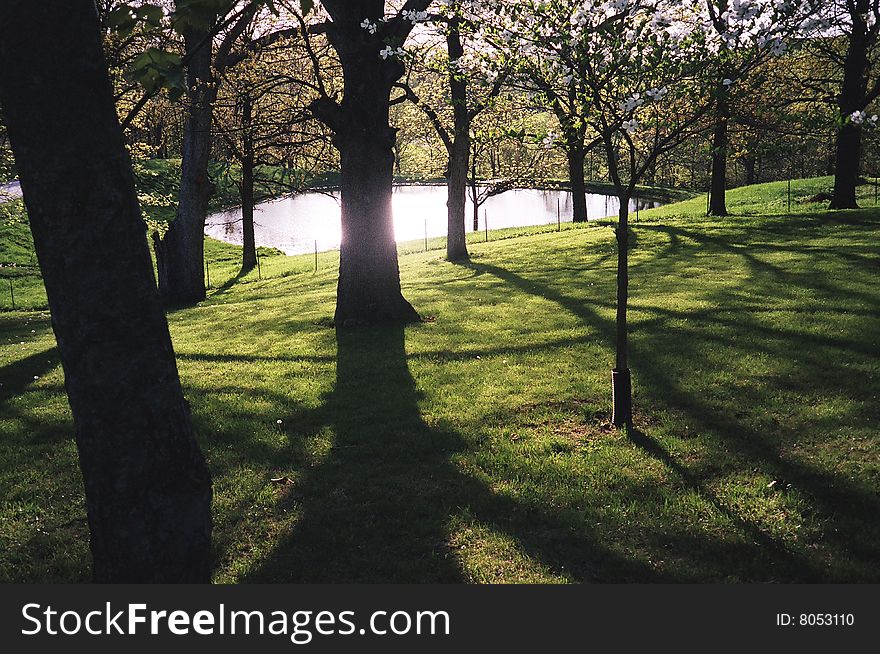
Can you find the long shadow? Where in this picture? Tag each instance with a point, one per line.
(837, 499)
(379, 508)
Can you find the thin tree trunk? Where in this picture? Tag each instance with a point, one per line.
(249, 246)
(621, 381)
(848, 143)
(456, 243)
(718, 193)
(147, 488)
(181, 253)
(749, 166)
(475, 193)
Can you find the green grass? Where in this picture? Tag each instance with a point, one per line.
(476, 447)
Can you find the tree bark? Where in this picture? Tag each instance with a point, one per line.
(248, 239)
(181, 253)
(249, 245)
(718, 184)
(459, 154)
(576, 174)
(848, 144)
(749, 165)
(621, 383)
(368, 290)
(147, 488)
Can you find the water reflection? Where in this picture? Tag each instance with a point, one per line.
(295, 224)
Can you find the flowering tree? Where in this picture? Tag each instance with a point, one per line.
(475, 78)
(742, 34)
(852, 47)
(551, 63)
(627, 66)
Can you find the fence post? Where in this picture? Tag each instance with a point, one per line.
(426, 234)
(486, 223)
(316, 256)
(207, 274)
(259, 268)
(12, 293)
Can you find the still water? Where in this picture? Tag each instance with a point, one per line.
(295, 224)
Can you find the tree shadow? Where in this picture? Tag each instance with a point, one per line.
(842, 505)
(379, 507)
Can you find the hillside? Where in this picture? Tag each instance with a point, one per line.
(476, 447)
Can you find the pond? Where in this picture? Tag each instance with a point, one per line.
(295, 224)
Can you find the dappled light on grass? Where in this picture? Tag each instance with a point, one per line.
(477, 447)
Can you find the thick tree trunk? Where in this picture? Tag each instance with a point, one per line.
(459, 154)
(181, 253)
(369, 279)
(148, 490)
(718, 193)
(576, 157)
(621, 383)
(456, 244)
(852, 98)
(368, 290)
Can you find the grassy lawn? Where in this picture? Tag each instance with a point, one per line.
(476, 447)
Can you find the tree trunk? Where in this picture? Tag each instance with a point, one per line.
(181, 254)
(475, 190)
(368, 290)
(852, 98)
(456, 243)
(621, 382)
(147, 488)
(846, 172)
(459, 155)
(718, 193)
(576, 157)
(249, 246)
(749, 165)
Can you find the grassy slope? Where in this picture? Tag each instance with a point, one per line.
(476, 447)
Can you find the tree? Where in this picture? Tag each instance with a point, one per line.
(369, 45)
(148, 490)
(629, 63)
(261, 115)
(742, 36)
(180, 253)
(859, 21)
(474, 82)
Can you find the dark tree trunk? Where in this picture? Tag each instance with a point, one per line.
(621, 383)
(576, 156)
(749, 166)
(369, 278)
(852, 98)
(475, 192)
(249, 249)
(181, 253)
(456, 243)
(718, 184)
(846, 172)
(148, 490)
